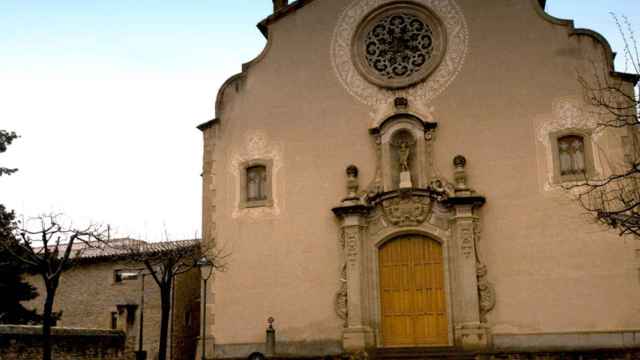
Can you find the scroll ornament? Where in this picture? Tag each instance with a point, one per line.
(341, 296)
(486, 291)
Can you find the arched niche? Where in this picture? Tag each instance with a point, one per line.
(404, 145)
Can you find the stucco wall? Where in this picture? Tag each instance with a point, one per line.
(553, 270)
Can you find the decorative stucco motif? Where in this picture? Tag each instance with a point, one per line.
(567, 113)
(455, 27)
(398, 45)
(256, 146)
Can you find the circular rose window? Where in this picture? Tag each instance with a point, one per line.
(399, 45)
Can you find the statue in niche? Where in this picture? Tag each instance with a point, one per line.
(403, 141)
(404, 151)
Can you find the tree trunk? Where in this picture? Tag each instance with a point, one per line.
(165, 305)
(47, 320)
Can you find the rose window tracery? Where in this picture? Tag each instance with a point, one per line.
(399, 45)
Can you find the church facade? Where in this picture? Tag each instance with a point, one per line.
(393, 174)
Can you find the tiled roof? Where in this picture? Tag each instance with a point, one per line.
(122, 247)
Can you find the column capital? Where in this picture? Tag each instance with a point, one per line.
(474, 200)
(352, 208)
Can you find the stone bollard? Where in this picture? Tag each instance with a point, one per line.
(270, 348)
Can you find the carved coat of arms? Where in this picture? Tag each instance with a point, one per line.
(407, 210)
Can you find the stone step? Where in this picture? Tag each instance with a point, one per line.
(423, 353)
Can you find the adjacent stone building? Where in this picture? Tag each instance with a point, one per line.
(103, 290)
(23, 342)
(391, 174)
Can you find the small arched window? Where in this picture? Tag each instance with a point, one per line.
(571, 153)
(256, 183)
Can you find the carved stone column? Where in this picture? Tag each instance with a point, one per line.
(357, 335)
(352, 212)
(470, 332)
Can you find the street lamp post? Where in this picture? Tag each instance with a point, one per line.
(141, 355)
(206, 269)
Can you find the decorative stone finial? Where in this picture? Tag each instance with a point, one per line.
(352, 182)
(459, 161)
(352, 170)
(401, 103)
(460, 175)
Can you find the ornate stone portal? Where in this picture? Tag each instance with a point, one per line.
(404, 198)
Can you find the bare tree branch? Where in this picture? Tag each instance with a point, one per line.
(45, 246)
(614, 197)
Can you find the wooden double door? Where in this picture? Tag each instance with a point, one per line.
(412, 296)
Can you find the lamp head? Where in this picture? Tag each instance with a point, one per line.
(206, 267)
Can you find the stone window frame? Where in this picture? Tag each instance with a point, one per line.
(268, 201)
(587, 139)
(117, 277)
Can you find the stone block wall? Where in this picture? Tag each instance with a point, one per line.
(25, 343)
(88, 295)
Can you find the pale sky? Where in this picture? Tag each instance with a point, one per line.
(106, 96)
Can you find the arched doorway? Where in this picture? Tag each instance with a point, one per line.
(412, 297)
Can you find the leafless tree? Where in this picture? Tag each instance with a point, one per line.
(614, 197)
(164, 261)
(48, 246)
